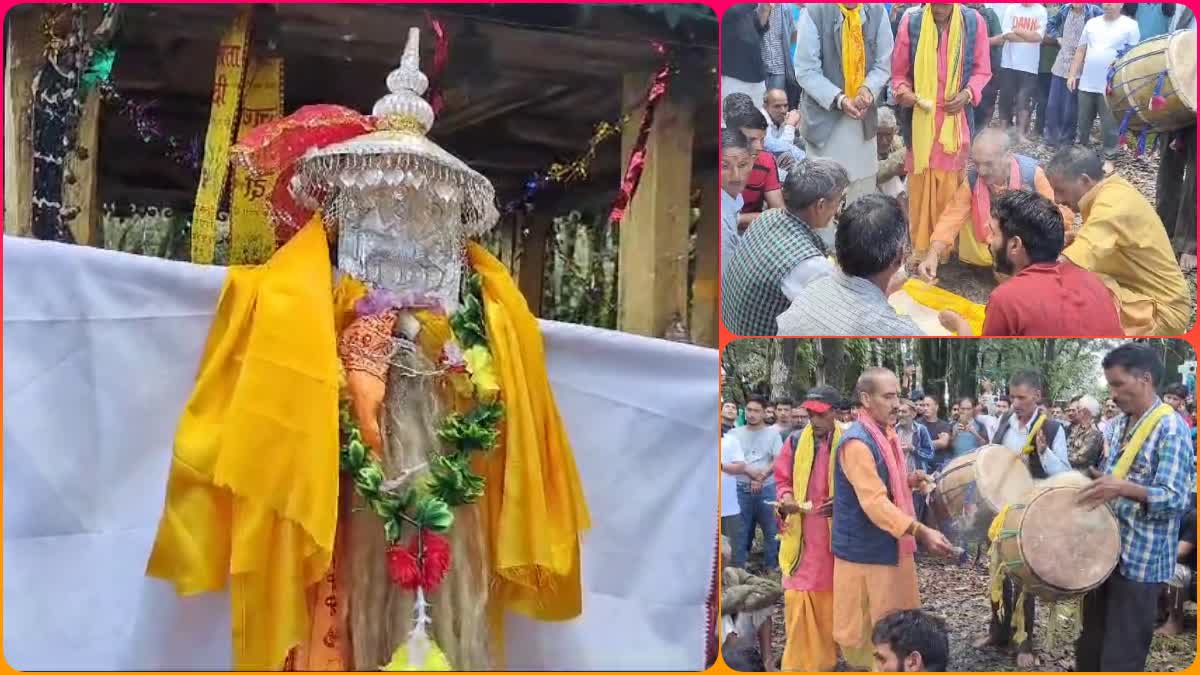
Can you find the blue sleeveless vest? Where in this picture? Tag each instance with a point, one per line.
(855, 538)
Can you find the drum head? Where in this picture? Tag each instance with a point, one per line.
(1181, 66)
(1000, 476)
(1068, 547)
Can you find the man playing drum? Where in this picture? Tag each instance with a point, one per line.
(1147, 481)
(875, 532)
(804, 484)
(1028, 430)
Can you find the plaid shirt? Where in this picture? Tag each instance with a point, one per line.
(1166, 467)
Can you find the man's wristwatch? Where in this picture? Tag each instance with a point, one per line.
(837, 102)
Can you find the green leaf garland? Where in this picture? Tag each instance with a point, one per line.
(427, 504)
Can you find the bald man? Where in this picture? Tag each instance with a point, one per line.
(967, 217)
(783, 136)
(875, 531)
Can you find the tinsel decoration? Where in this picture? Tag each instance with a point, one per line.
(578, 169)
(186, 153)
(441, 56)
(57, 107)
(637, 156)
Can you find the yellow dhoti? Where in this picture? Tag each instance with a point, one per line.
(808, 616)
(929, 193)
(865, 594)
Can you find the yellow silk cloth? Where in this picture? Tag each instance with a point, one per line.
(252, 497)
(854, 51)
(1031, 439)
(1140, 434)
(939, 299)
(534, 506)
(791, 535)
(925, 79)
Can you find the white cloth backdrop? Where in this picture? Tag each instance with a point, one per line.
(100, 350)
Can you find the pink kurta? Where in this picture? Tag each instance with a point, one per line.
(815, 572)
(981, 73)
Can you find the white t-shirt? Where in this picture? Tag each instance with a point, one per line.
(1103, 39)
(731, 452)
(1023, 56)
(760, 448)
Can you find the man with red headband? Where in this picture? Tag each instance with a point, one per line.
(804, 485)
(875, 531)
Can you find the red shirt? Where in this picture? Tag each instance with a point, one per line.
(763, 179)
(1052, 299)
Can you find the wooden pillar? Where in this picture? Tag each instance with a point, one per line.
(23, 57)
(704, 318)
(82, 193)
(652, 283)
(533, 258)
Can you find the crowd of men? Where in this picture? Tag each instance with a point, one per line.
(838, 487)
(861, 142)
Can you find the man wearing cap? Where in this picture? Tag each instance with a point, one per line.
(804, 484)
(875, 531)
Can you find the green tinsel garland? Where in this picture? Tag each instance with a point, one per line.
(426, 504)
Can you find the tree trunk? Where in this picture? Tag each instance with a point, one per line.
(833, 362)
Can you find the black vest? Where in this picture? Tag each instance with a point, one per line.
(1035, 461)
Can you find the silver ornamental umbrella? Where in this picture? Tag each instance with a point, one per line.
(403, 206)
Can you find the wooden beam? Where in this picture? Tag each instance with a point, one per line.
(652, 288)
(23, 57)
(708, 242)
(81, 194)
(533, 257)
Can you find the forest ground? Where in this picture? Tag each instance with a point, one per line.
(959, 596)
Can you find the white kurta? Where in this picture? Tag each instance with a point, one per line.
(101, 350)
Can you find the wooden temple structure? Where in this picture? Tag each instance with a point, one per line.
(524, 86)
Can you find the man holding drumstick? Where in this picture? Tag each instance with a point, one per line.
(1147, 480)
(875, 532)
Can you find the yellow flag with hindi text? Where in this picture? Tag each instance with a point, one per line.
(251, 237)
(227, 91)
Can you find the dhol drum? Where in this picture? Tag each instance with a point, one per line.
(1152, 87)
(1055, 548)
(972, 489)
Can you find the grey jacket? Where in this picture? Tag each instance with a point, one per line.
(819, 66)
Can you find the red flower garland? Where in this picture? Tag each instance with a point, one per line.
(423, 563)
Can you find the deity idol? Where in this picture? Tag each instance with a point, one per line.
(427, 401)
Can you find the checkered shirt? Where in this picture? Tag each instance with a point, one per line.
(1166, 466)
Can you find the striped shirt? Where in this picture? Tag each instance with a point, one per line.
(1166, 467)
(843, 305)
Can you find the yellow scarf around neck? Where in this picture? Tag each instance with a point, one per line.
(925, 79)
(534, 507)
(1130, 452)
(854, 51)
(252, 494)
(791, 537)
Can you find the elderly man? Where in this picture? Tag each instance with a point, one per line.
(890, 179)
(967, 217)
(875, 530)
(1085, 443)
(782, 136)
(1045, 295)
(853, 300)
(782, 252)
(804, 485)
(1147, 480)
(842, 53)
(1123, 241)
(939, 69)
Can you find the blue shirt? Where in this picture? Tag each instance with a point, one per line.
(1166, 467)
(1151, 21)
(730, 237)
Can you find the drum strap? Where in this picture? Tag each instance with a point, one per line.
(1141, 432)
